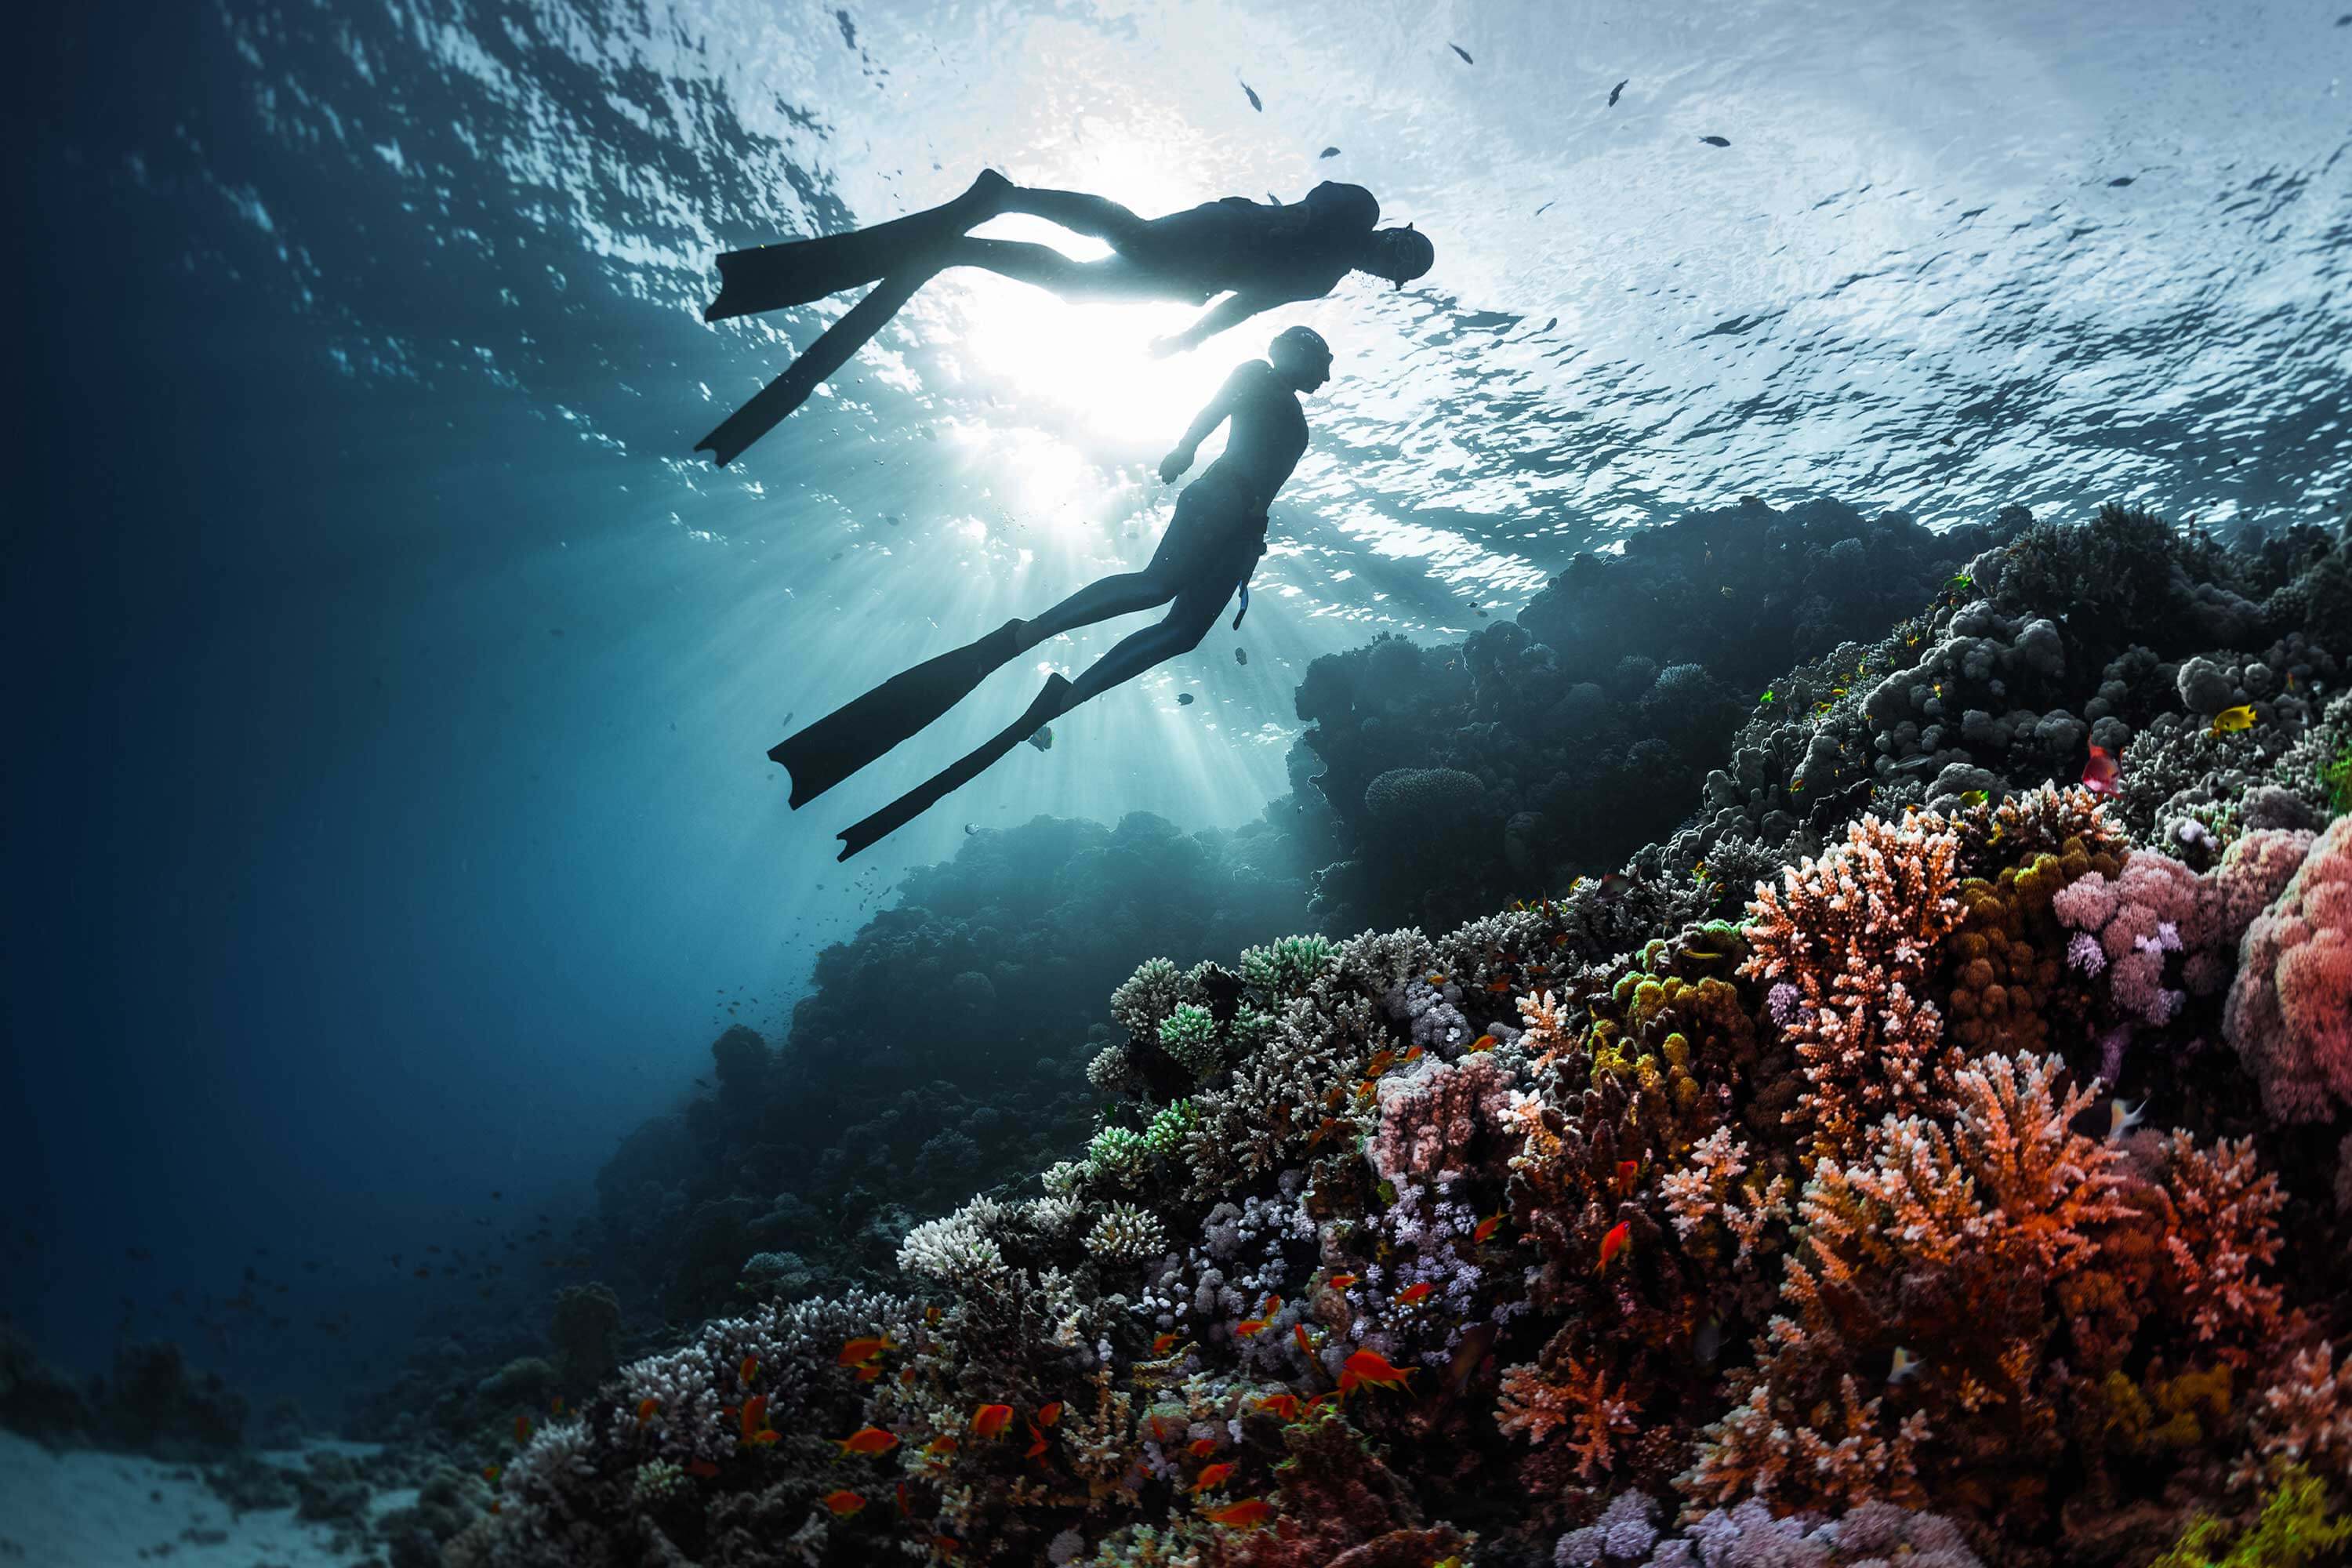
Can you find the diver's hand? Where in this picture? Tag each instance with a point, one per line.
(1174, 464)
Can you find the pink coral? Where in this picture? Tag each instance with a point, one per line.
(2305, 1417)
(1857, 933)
(1429, 1120)
(2290, 1013)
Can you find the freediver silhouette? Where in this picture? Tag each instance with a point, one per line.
(1209, 549)
(1257, 254)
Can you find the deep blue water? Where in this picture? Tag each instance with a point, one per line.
(388, 821)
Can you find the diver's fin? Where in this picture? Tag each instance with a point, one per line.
(1050, 704)
(797, 271)
(861, 731)
(774, 402)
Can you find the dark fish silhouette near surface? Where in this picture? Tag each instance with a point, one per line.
(1241, 656)
(1463, 53)
(1329, 152)
(1184, 700)
(1251, 93)
(1615, 91)
(1715, 141)
(1546, 207)
(2120, 180)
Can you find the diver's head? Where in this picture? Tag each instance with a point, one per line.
(1301, 358)
(1399, 255)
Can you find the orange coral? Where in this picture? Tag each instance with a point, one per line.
(1581, 1400)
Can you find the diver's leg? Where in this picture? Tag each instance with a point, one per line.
(1186, 623)
(1112, 278)
(1097, 216)
(1122, 594)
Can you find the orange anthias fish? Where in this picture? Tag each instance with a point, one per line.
(1213, 1477)
(1487, 1229)
(1371, 1367)
(766, 1437)
(1483, 1042)
(868, 1373)
(1285, 1406)
(646, 1409)
(944, 1443)
(1299, 1332)
(1498, 986)
(1164, 1343)
(2100, 773)
(1036, 1442)
(860, 1350)
(843, 1502)
(750, 1369)
(868, 1441)
(1201, 1448)
(1241, 1515)
(1340, 1281)
(990, 1420)
(1328, 1396)
(1627, 1172)
(755, 1414)
(1620, 1237)
(1412, 1056)
(906, 1509)
(523, 1429)
(1050, 1414)
(1415, 1295)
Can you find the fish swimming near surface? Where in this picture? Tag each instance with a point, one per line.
(1329, 152)
(1463, 53)
(1251, 93)
(2230, 720)
(1184, 700)
(1241, 656)
(1616, 91)
(1043, 738)
(1717, 141)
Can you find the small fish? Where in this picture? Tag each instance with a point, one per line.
(1944, 440)
(870, 1372)
(1243, 1515)
(940, 1446)
(1715, 141)
(492, 1472)
(2230, 720)
(1184, 700)
(755, 1414)
(1415, 1295)
(990, 1420)
(1974, 797)
(1283, 1405)
(1483, 1042)
(1250, 1328)
(843, 1502)
(1369, 1367)
(969, 830)
(1340, 1281)
(1213, 1477)
(1499, 987)
(523, 1429)
(1905, 1367)
(1306, 1345)
(1201, 1448)
(1620, 1237)
(1329, 152)
(1036, 1442)
(2122, 1119)
(1251, 93)
(1615, 92)
(906, 1509)
(702, 1468)
(1043, 738)
(556, 1406)
(1614, 886)
(868, 1441)
(1555, 320)
(1412, 1056)
(863, 1350)
(1050, 1414)
(749, 1369)
(1164, 1343)
(2100, 773)
(646, 1409)
(1627, 1172)
(1487, 1229)
(1241, 656)
(765, 1438)
(1767, 698)
(2120, 180)
(1463, 53)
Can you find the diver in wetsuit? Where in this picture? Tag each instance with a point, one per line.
(1209, 549)
(1258, 255)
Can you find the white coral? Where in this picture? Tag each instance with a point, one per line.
(1126, 1233)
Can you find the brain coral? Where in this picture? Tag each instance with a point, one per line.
(2290, 1011)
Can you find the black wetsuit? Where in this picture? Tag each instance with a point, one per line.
(1219, 530)
(1281, 253)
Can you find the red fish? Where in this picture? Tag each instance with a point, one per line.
(1036, 1442)
(750, 1369)
(1285, 1406)
(755, 1414)
(2100, 773)
(990, 1420)
(702, 1468)
(1369, 1367)
(1627, 1172)
(1201, 1448)
(1328, 1396)
(1213, 1477)
(646, 1409)
(862, 1350)
(868, 1373)
(523, 1429)
(843, 1502)
(1241, 1515)
(1050, 1414)
(1340, 1281)
(1415, 1295)
(1412, 1056)
(766, 1437)
(1620, 1237)
(1487, 1229)
(1299, 1332)
(868, 1441)
(906, 1509)
(1498, 986)
(1161, 1345)
(1483, 1042)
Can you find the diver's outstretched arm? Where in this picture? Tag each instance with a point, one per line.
(1204, 425)
(1230, 312)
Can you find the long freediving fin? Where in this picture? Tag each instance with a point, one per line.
(862, 730)
(797, 271)
(774, 402)
(1050, 704)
